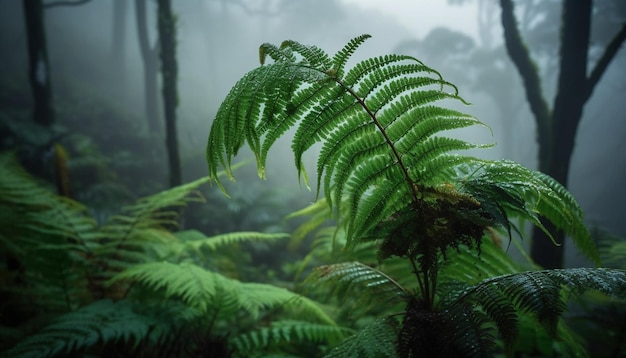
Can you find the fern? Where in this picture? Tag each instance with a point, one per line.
(376, 340)
(210, 292)
(285, 332)
(195, 240)
(100, 322)
(397, 183)
(539, 293)
(384, 161)
(376, 288)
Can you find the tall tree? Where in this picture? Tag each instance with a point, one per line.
(150, 68)
(169, 72)
(118, 43)
(557, 126)
(39, 67)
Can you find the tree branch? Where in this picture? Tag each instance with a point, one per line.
(530, 75)
(609, 52)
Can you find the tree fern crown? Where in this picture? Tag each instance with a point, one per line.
(384, 156)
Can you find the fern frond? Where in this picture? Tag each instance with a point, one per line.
(289, 332)
(195, 240)
(612, 248)
(369, 287)
(378, 124)
(208, 291)
(99, 323)
(527, 193)
(376, 340)
(539, 293)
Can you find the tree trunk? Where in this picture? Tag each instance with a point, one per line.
(39, 71)
(555, 157)
(169, 71)
(118, 46)
(556, 130)
(150, 69)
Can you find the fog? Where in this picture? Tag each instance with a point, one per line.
(218, 43)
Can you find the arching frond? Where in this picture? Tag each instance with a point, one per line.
(211, 292)
(539, 294)
(195, 240)
(386, 160)
(505, 186)
(98, 323)
(378, 123)
(367, 285)
(288, 332)
(376, 340)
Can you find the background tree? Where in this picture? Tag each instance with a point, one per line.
(557, 126)
(169, 71)
(39, 67)
(150, 67)
(118, 44)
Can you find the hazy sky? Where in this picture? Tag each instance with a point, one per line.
(436, 13)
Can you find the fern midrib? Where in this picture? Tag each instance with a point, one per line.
(422, 275)
(388, 140)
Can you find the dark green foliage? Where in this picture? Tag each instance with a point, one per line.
(376, 340)
(408, 202)
(133, 286)
(101, 322)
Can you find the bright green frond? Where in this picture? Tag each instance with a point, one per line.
(194, 285)
(341, 57)
(376, 123)
(195, 240)
(208, 291)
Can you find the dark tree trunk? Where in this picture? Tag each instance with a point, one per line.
(118, 44)
(150, 69)
(169, 71)
(39, 70)
(556, 130)
(556, 155)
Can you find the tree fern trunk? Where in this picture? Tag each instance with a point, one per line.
(169, 71)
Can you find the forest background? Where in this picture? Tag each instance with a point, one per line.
(110, 119)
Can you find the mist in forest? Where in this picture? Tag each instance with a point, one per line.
(97, 76)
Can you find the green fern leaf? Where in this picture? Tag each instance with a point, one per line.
(195, 240)
(378, 123)
(376, 340)
(351, 277)
(99, 323)
(538, 293)
(289, 332)
(527, 193)
(208, 291)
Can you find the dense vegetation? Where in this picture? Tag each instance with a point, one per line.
(407, 243)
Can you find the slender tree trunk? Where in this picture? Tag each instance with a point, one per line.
(169, 71)
(39, 71)
(150, 69)
(556, 129)
(118, 45)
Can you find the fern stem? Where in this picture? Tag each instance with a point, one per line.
(424, 283)
(397, 155)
